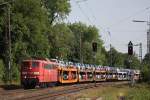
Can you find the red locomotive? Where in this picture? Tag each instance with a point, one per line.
(38, 72)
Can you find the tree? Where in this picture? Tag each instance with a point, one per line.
(57, 9)
(115, 59)
(145, 73)
(62, 39)
(29, 26)
(82, 49)
(1, 70)
(146, 59)
(118, 59)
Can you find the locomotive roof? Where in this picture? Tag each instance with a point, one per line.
(37, 60)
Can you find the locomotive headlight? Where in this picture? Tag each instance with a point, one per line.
(36, 73)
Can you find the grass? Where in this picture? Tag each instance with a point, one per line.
(138, 92)
(14, 85)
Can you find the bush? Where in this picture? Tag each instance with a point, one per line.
(15, 73)
(1, 69)
(145, 73)
(4, 73)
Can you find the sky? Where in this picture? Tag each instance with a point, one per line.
(115, 17)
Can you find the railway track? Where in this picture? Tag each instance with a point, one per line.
(21, 90)
(53, 93)
(19, 93)
(45, 92)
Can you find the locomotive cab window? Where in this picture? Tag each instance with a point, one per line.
(35, 64)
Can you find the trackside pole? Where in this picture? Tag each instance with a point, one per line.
(94, 47)
(132, 82)
(94, 70)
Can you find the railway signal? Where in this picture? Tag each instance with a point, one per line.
(94, 46)
(130, 48)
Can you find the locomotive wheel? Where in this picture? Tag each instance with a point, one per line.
(26, 86)
(43, 85)
(32, 86)
(29, 86)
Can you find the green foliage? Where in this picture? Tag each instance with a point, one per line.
(1, 70)
(146, 59)
(68, 41)
(30, 26)
(114, 57)
(82, 48)
(145, 73)
(117, 59)
(15, 72)
(140, 92)
(62, 39)
(132, 62)
(146, 68)
(56, 9)
(135, 64)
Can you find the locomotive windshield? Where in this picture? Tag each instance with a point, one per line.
(35, 64)
(28, 64)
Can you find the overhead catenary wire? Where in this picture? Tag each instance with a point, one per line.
(126, 18)
(129, 17)
(105, 38)
(77, 3)
(90, 9)
(113, 24)
(93, 16)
